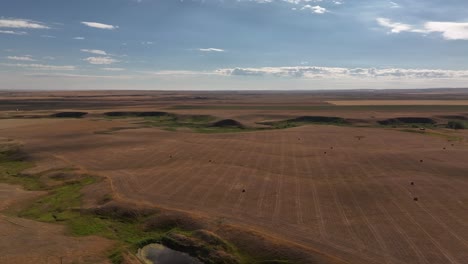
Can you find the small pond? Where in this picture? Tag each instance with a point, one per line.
(159, 254)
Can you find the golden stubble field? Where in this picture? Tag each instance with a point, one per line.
(361, 194)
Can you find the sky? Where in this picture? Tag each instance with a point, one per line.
(233, 44)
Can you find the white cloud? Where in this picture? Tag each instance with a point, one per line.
(41, 67)
(101, 60)
(394, 27)
(13, 32)
(147, 43)
(211, 50)
(316, 72)
(78, 76)
(22, 23)
(315, 9)
(21, 58)
(99, 25)
(449, 30)
(394, 5)
(113, 69)
(94, 51)
(295, 2)
(79, 38)
(180, 73)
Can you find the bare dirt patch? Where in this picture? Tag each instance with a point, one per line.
(399, 102)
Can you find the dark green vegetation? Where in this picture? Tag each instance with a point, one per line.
(174, 122)
(457, 124)
(228, 123)
(403, 121)
(69, 114)
(12, 162)
(132, 227)
(306, 120)
(207, 123)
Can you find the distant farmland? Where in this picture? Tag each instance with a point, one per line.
(354, 191)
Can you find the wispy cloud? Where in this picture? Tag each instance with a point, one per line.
(79, 76)
(306, 4)
(211, 50)
(22, 23)
(41, 67)
(11, 32)
(317, 72)
(79, 38)
(395, 27)
(394, 5)
(94, 51)
(179, 73)
(99, 25)
(101, 60)
(449, 30)
(113, 69)
(21, 58)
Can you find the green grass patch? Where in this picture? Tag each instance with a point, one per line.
(170, 122)
(457, 124)
(63, 202)
(196, 123)
(116, 256)
(213, 130)
(196, 119)
(307, 120)
(12, 163)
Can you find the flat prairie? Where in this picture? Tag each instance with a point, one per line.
(399, 102)
(360, 191)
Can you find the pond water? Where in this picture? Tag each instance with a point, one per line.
(159, 254)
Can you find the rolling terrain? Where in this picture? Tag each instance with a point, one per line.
(360, 192)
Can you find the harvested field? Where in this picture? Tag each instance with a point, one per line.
(347, 192)
(399, 102)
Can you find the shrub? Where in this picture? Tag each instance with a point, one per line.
(457, 125)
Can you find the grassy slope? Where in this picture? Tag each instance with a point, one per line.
(63, 205)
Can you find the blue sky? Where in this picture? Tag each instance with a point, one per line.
(233, 44)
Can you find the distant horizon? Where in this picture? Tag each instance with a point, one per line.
(233, 90)
(233, 44)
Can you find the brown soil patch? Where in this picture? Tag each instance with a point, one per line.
(399, 102)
